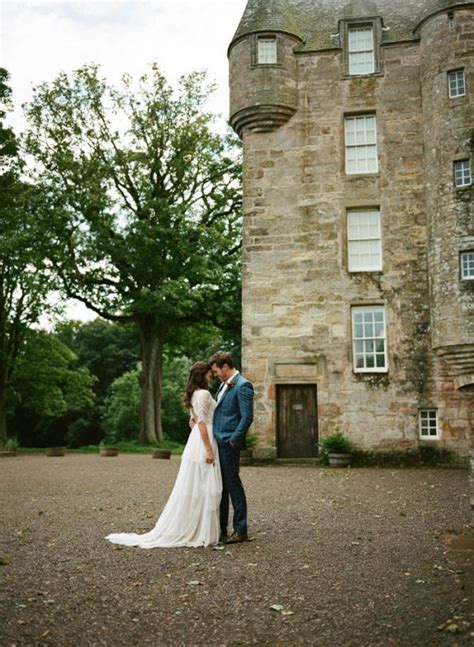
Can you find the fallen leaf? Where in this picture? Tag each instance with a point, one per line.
(195, 583)
(277, 607)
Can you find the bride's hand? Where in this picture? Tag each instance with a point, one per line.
(210, 457)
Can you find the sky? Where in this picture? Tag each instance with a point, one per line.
(39, 39)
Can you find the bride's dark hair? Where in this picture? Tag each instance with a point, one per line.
(196, 380)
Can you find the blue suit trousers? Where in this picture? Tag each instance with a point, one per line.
(232, 487)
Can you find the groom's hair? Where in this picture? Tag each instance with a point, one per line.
(220, 358)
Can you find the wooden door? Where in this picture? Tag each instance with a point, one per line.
(297, 420)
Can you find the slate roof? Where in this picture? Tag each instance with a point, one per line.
(313, 21)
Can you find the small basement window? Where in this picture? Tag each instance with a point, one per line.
(428, 424)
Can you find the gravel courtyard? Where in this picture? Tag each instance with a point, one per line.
(346, 557)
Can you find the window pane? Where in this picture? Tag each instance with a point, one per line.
(467, 265)
(364, 243)
(462, 173)
(361, 144)
(428, 423)
(267, 53)
(369, 350)
(361, 50)
(456, 83)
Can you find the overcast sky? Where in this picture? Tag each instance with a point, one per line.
(38, 39)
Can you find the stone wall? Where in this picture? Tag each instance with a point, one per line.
(297, 291)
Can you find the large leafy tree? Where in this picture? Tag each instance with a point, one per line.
(142, 207)
(24, 277)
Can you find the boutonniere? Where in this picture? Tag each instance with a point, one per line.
(230, 385)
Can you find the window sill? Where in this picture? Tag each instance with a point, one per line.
(348, 77)
(358, 176)
(266, 65)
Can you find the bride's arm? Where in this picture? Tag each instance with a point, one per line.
(210, 457)
(201, 409)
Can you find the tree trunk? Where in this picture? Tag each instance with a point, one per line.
(152, 342)
(3, 415)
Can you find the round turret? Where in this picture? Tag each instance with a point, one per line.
(446, 61)
(263, 93)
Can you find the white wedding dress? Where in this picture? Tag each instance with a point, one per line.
(191, 515)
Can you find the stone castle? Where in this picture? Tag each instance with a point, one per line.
(358, 281)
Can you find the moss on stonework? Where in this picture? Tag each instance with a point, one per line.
(316, 22)
(423, 456)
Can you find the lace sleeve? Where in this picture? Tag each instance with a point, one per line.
(203, 406)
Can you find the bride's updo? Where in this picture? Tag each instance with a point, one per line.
(196, 380)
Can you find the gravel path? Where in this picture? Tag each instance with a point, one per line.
(353, 557)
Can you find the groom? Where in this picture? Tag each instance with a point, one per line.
(232, 418)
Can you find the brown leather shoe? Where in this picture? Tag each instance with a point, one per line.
(236, 538)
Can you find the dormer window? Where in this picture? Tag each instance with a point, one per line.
(361, 40)
(361, 50)
(266, 50)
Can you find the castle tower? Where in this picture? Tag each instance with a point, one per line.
(447, 74)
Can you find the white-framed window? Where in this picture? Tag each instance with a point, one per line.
(361, 144)
(369, 339)
(456, 84)
(361, 50)
(462, 173)
(428, 424)
(266, 50)
(467, 266)
(364, 240)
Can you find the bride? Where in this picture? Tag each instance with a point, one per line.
(191, 515)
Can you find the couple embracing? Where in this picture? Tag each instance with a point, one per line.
(197, 510)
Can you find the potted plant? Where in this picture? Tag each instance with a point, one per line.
(246, 455)
(161, 452)
(55, 451)
(10, 447)
(107, 450)
(336, 450)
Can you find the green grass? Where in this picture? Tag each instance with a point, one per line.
(124, 446)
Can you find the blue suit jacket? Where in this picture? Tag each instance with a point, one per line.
(234, 413)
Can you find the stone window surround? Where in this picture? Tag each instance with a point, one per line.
(254, 48)
(456, 71)
(376, 23)
(465, 277)
(367, 305)
(451, 19)
(428, 410)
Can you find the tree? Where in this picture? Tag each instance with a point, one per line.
(106, 349)
(143, 207)
(122, 405)
(48, 390)
(25, 279)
